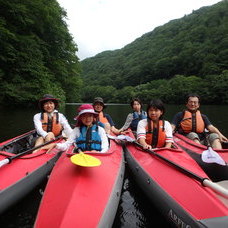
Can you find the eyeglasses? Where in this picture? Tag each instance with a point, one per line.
(98, 104)
(193, 102)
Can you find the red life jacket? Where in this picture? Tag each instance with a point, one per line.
(192, 122)
(51, 124)
(102, 118)
(155, 136)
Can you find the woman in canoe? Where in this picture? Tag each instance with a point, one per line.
(87, 135)
(49, 123)
(134, 117)
(104, 118)
(154, 132)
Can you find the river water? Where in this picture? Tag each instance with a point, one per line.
(134, 209)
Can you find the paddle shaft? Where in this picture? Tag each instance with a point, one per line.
(9, 159)
(204, 181)
(182, 169)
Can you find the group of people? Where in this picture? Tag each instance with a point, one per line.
(151, 130)
(89, 134)
(154, 132)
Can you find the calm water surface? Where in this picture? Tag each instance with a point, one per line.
(134, 209)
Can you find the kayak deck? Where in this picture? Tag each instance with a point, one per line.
(215, 171)
(22, 174)
(183, 200)
(83, 196)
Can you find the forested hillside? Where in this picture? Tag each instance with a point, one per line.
(185, 55)
(37, 53)
(38, 56)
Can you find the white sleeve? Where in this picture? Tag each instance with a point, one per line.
(76, 133)
(38, 125)
(72, 138)
(141, 129)
(66, 126)
(168, 132)
(104, 140)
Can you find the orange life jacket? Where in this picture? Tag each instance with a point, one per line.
(102, 118)
(51, 124)
(192, 122)
(155, 136)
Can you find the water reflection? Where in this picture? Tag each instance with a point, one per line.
(134, 209)
(23, 214)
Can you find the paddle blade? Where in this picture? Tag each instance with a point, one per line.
(122, 137)
(210, 156)
(85, 160)
(125, 137)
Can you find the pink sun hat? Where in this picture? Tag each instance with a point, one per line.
(85, 108)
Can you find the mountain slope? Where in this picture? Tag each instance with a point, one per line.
(196, 44)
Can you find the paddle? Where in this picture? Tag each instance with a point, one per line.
(204, 181)
(9, 159)
(84, 160)
(210, 156)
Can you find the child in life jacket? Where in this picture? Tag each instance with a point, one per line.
(154, 132)
(87, 135)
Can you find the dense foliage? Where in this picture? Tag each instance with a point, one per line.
(37, 53)
(185, 55)
(37, 56)
(212, 88)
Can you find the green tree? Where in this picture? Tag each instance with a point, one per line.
(37, 53)
(217, 89)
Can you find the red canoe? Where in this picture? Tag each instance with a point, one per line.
(24, 173)
(180, 198)
(215, 171)
(83, 196)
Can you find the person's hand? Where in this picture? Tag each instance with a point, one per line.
(124, 132)
(146, 146)
(50, 136)
(223, 139)
(94, 151)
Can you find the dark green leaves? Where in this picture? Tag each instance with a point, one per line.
(37, 52)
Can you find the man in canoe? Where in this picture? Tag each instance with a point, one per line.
(104, 118)
(192, 124)
(49, 123)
